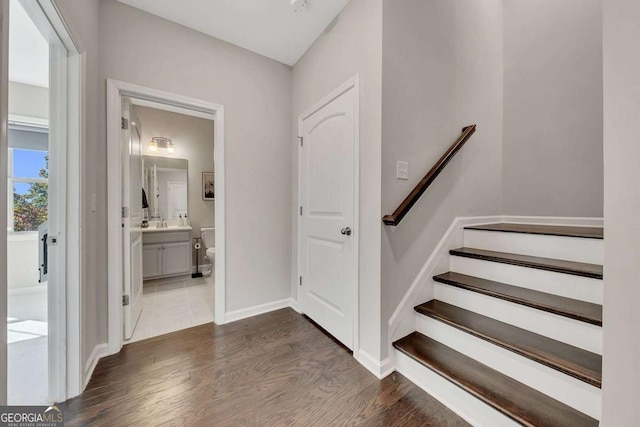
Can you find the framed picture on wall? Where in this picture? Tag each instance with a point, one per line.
(208, 186)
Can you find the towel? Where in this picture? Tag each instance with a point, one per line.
(145, 203)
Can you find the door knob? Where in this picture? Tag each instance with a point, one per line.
(346, 231)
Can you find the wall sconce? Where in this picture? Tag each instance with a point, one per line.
(160, 142)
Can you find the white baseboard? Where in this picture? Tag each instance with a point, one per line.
(99, 351)
(201, 268)
(380, 369)
(294, 305)
(234, 316)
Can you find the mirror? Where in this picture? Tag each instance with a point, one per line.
(166, 186)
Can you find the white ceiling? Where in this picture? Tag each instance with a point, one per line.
(28, 49)
(268, 27)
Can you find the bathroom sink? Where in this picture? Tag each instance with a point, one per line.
(153, 229)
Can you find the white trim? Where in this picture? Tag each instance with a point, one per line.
(554, 220)
(352, 83)
(4, 146)
(234, 316)
(35, 123)
(402, 321)
(115, 91)
(99, 351)
(67, 99)
(172, 109)
(380, 369)
(294, 305)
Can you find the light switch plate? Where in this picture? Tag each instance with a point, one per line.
(402, 170)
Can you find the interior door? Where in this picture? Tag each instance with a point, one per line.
(328, 238)
(132, 218)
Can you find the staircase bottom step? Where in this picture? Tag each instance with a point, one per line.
(512, 398)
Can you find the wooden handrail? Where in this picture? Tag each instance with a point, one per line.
(395, 218)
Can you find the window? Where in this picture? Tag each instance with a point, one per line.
(28, 178)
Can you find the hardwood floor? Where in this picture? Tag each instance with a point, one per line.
(277, 369)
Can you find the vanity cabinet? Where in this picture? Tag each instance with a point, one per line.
(166, 253)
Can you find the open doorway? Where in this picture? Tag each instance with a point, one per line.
(170, 244)
(166, 195)
(42, 206)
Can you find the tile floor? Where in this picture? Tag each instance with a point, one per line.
(174, 304)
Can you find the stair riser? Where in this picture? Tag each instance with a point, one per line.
(570, 391)
(566, 285)
(558, 247)
(459, 401)
(570, 331)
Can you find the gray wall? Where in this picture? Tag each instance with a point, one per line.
(193, 140)
(140, 48)
(553, 108)
(620, 373)
(442, 70)
(351, 45)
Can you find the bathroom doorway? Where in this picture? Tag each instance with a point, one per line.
(169, 250)
(170, 239)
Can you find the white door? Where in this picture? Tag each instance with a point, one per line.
(132, 219)
(327, 193)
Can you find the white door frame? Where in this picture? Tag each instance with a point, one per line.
(68, 70)
(116, 90)
(352, 83)
(4, 152)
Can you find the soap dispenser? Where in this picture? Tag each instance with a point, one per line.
(186, 221)
(181, 221)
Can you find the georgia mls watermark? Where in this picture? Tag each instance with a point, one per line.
(31, 416)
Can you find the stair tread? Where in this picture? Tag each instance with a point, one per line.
(573, 361)
(548, 230)
(562, 306)
(550, 264)
(512, 398)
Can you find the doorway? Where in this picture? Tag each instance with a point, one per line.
(328, 217)
(169, 283)
(172, 246)
(41, 202)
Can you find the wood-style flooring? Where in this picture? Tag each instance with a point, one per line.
(277, 369)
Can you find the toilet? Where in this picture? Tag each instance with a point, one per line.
(208, 236)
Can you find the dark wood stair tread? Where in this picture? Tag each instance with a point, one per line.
(517, 401)
(570, 360)
(567, 307)
(593, 271)
(548, 230)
